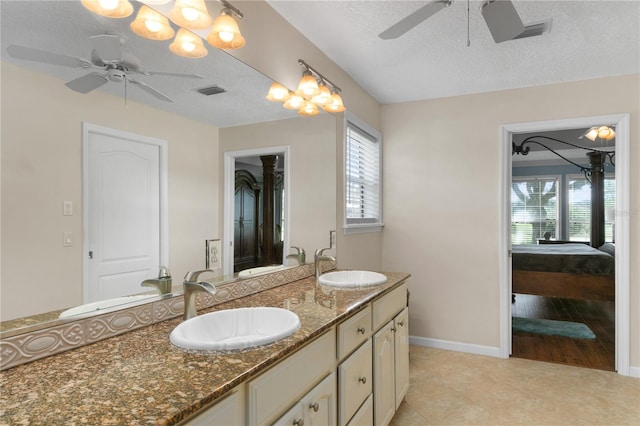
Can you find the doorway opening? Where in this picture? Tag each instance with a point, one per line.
(551, 302)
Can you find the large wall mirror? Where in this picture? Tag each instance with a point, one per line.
(44, 252)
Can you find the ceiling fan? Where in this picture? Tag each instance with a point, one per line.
(107, 55)
(500, 15)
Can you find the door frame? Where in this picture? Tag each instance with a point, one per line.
(622, 302)
(229, 199)
(163, 148)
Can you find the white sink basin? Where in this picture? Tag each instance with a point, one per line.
(103, 304)
(235, 329)
(352, 279)
(261, 270)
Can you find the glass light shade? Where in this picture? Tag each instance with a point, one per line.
(591, 134)
(152, 2)
(323, 97)
(278, 93)
(294, 102)
(606, 133)
(309, 109)
(308, 86)
(191, 14)
(225, 33)
(335, 105)
(109, 8)
(188, 45)
(152, 25)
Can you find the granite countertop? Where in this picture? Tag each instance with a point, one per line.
(140, 378)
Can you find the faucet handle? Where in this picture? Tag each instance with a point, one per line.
(298, 249)
(164, 272)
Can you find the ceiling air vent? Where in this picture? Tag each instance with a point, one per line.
(211, 90)
(536, 29)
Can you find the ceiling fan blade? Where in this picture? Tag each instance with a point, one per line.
(414, 19)
(172, 74)
(37, 55)
(502, 19)
(108, 48)
(151, 90)
(87, 83)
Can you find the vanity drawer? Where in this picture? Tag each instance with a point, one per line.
(388, 306)
(353, 332)
(354, 382)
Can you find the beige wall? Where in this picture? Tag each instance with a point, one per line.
(441, 198)
(312, 157)
(41, 167)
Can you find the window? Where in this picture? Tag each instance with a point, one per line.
(579, 208)
(534, 209)
(363, 204)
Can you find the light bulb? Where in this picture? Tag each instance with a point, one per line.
(153, 26)
(108, 4)
(188, 46)
(225, 36)
(189, 13)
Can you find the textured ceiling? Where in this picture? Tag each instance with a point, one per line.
(65, 27)
(588, 39)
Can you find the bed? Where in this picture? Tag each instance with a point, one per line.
(575, 271)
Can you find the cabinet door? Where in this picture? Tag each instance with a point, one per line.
(402, 355)
(384, 395)
(293, 417)
(320, 404)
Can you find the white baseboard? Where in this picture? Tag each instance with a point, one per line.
(455, 346)
(634, 372)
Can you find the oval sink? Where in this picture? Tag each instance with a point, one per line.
(235, 329)
(260, 270)
(352, 279)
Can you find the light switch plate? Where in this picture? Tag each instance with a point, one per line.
(67, 209)
(67, 239)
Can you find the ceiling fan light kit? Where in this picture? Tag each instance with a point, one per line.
(314, 91)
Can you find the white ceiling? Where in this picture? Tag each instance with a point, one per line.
(588, 39)
(65, 27)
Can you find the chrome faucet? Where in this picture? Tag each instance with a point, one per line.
(191, 286)
(318, 258)
(300, 256)
(162, 283)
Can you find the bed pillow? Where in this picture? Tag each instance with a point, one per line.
(609, 248)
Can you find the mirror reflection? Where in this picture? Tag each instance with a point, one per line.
(46, 229)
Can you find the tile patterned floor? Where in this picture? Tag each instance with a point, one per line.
(453, 388)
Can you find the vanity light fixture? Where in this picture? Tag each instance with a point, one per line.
(190, 14)
(599, 132)
(109, 8)
(225, 33)
(278, 93)
(308, 86)
(188, 44)
(324, 95)
(152, 25)
(336, 104)
(309, 109)
(294, 102)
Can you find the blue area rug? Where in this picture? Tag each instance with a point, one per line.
(574, 330)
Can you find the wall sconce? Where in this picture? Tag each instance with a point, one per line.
(188, 45)
(314, 91)
(152, 25)
(109, 8)
(599, 132)
(225, 33)
(190, 14)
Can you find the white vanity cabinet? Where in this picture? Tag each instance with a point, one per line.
(230, 410)
(317, 408)
(284, 385)
(390, 354)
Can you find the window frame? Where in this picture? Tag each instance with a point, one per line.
(351, 121)
(559, 196)
(577, 176)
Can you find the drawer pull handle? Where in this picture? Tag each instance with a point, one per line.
(401, 323)
(315, 407)
(393, 329)
(362, 380)
(361, 330)
(298, 422)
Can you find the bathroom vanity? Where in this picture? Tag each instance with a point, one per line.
(347, 365)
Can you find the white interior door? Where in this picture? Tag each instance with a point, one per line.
(123, 213)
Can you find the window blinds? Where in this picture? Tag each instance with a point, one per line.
(362, 177)
(534, 209)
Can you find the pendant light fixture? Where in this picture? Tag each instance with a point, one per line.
(152, 25)
(600, 132)
(109, 8)
(188, 45)
(225, 33)
(190, 14)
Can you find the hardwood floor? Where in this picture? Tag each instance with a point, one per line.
(598, 316)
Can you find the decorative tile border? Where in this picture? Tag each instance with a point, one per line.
(24, 348)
